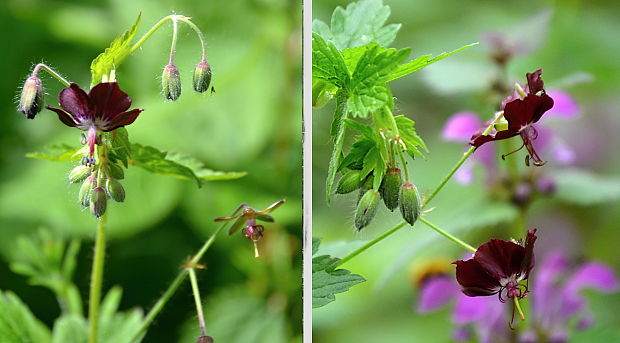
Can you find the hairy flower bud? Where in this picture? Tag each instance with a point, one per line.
(202, 76)
(171, 82)
(79, 173)
(349, 182)
(409, 203)
(366, 208)
(31, 100)
(116, 171)
(85, 190)
(115, 190)
(205, 339)
(390, 188)
(98, 201)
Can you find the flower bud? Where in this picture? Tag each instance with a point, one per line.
(349, 182)
(31, 100)
(390, 188)
(522, 193)
(98, 201)
(116, 171)
(409, 203)
(85, 190)
(205, 339)
(366, 208)
(202, 77)
(79, 173)
(115, 190)
(546, 185)
(171, 82)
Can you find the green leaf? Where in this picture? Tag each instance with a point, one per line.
(59, 153)
(120, 150)
(366, 130)
(374, 163)
(334, 161)
(70, 329)
(327, 280)
(114, 55)
(406, 130)
(327, 62)
(584, 188)
(18, 324)
(355, 158)
(359, 24)
(117, 327)
(176, 165)
(421, 62)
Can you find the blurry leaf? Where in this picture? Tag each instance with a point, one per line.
(599, 334)
(114, 55)
(70, 329)
(327, 280)
(406, 130)
(17, 324)
(327, 63)
(58, 153)
(421, 62)
(583, 188)
(114, 326)
(359, 24)
(121, 148)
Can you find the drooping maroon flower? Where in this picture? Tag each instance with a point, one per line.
(103, 109)
(521, 114)
(498, 267)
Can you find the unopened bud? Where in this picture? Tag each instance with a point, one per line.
(31, 100)
(98, 201)
(390, 188)
(349, 182)
(522, 193)
(171, 82)
(85, 190)
(205, 339)
(409, 203)
(79, 173)
(115, 190)
(202, 77)
(546, 185)
(116, 171)
(366, 208)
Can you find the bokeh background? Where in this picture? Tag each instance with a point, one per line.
(252, 123)
(575, 42)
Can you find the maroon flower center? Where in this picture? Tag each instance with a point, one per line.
(511, 288)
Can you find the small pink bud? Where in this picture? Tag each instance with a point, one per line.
(171, 82)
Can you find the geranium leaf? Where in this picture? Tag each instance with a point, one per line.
(59, 153)
(407, 132)
(18, 324)
(327, 62)
(585, 188)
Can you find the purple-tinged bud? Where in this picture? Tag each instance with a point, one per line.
(116, 171)
(79, 174)
(31, 100)
(202, 77)
(366, 209)
(98, 202)
(409, 203)
(115, 190)
(522, 193)
(390, 188)
(349, 182)
(205, 339)
(171, 82)
(546, 185)
(85, 191)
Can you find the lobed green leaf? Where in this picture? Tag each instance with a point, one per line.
(59, 153)
(18, 324)
(327, 63)
(407, 132)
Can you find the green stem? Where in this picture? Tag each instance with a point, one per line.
(150, 32)
(96, 280)
(176, 283)
(371, 243)
(403, 161)
(447, 235)
(173, 46)
(50, 71)
(518, 308)
(196, 291)
(201, 36)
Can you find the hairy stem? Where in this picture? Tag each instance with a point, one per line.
(201, 36)
(173, 45)
(96, 280)
(150, 32)
(50, 71)
(371, 243)
(196, 291)
(176, 283)
(447, 235)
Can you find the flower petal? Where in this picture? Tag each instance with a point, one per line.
(478, 139)
(534, 82)
(499, 258)
(564, 105)
(435, 293)
(108, 100)
(64, 117)
(122, 119)
(75, 101)
(521, 113)
(474, 280)
(593, 275)
(460, 126)
(529, 258)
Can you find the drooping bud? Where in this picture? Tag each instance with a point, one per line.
(390, 188)
(79, 173)
(98, 201)
(409, 203)
(205, 339)
(366, 209)
(115, 190)
(85, 190)
(116, 171)
(349, 182)
(202, 76)
(31, 100)
(171, 82)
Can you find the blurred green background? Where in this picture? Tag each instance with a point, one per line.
(252, 123)
(581, 38)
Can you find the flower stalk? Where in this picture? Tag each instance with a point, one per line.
(96, 280)
(197, 300)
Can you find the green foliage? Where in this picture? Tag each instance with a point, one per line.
(120, 149)
(328, 63)
(116, 326)
(409, 136)
(70, 329)
(114, 55)
(327, 280)
(59, 153)
(360, 23)
(18, 324)
(585, 188)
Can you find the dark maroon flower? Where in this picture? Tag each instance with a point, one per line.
(498, 267)
(521, 114)
(103, 109)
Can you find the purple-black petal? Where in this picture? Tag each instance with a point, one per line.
(535, 82)
(529, 258)
(478, 138)
(122, 119)
(109, 100)
(499, 258)
(474, 280)
(75, 101)
(64, 117)
(521, 113)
